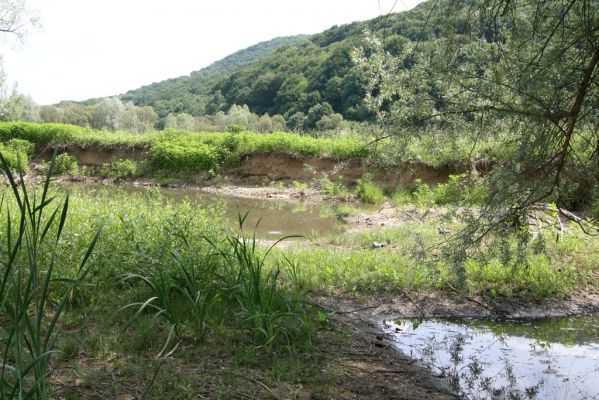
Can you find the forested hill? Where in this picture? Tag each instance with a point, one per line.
(286, 75)
(190, 93)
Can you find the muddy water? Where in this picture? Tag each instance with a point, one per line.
(553, 359)
(275, 218)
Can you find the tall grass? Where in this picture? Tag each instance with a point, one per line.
(368, 191)
(31, 316)
(233, 283)
(270, 311)
(181, 297)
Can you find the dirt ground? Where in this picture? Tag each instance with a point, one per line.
(266, 193)
(375, 310)
(357, 364)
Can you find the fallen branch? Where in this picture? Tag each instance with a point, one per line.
(586, 226)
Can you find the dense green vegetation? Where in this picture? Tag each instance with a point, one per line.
(314, 82)
(308, 77)
(146, 276)
(178, 151)
(190, 94)
(178, 276)
(433, 147)
(174, 261)
(403, 265)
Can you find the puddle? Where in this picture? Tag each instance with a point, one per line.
(552, 359)
(277, 218)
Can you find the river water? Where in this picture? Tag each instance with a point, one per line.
(555, 358)
(274, 218)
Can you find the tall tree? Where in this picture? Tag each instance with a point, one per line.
(520, 75)
(533, 65)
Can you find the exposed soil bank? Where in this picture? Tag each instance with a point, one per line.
(281, 166)
(266, 167)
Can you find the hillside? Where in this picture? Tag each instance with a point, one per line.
(286, 75)
(190, 93)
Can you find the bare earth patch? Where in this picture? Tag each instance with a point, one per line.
(349, 362)
(266, 192)
(453, 305)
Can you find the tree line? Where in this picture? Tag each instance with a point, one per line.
(113, 114)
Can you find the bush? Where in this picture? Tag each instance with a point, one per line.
(368, 191)
(402, 197)
(459, 189)
(17, 153)
(184, 155)
(64, 164)
(235, 128)
(423, 195)
(174, 149)
(39, 133)
(330, 188)
(22, 146)
(119, 169)
(452, 191)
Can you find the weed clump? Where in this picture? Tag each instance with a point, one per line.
(63, 164)
(17, 153)
(31, 305)
(119, 169)
(368, 191)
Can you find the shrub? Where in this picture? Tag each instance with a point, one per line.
(299, 185)
(119, 169)
(22, 146)
(174, 149)
(64, 164)
(330, 188)
(39, 133)
(235, 128)
(184, 155)
(459, 189)
(423, 195)
(368, 191)
(17, 153)
(402, 196)
(452, 191)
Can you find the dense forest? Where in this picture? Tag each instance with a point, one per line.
(190, 94)
(313, 75)
(310, 82)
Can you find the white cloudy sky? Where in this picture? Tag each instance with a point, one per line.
(94, 48)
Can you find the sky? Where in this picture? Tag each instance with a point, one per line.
(97, 48)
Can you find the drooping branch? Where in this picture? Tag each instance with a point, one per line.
(574, 113)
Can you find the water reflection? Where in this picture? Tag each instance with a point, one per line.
(546, 359)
